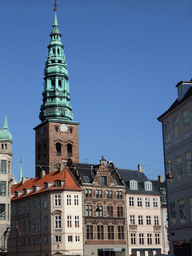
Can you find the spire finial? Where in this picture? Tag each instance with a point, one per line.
(5, 123)
(20, 172)
(55, 5)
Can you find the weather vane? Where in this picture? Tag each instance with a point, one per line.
(55, 5)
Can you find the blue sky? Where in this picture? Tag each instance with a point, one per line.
(124, 59)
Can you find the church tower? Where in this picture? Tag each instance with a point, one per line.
(57, 135)
(5, 185)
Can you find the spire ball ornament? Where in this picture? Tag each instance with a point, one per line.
(55, 5)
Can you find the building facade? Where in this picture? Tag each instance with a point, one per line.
(177, 144)
(47, 216)
(144, 223)
(104, 211)
(5, 185)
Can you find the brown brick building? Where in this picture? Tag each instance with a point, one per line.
(104, 211)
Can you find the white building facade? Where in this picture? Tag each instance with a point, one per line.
(177, 143)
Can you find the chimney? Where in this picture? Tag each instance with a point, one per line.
(24, 179)
(160, 178)
(140, 168)
(42, 174)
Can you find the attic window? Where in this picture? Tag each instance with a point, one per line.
(46, 185)
(148, 186)
(86, 178)
(57, 183)
(25, 191)
(133, 185)
(16, 194)
(34, 189)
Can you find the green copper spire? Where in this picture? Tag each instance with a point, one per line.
(20, 172)
(56, 106)
(5, 134)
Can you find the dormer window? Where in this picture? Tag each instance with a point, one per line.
(25, 191)
(57, 183)
(133, 185)
(163, 190)
(46, 185)
(148, 186)
(16, 194)
(34, 189)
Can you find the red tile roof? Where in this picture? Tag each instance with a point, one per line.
(65, 176)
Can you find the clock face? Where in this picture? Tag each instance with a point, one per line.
(63, 128)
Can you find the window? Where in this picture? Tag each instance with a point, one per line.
(99, 211)
(57, 239)
(156, 220)
(45, 202)
(131, 201)
(68, 199)
(57, 200)
(46, 240)
(88, 210)
(57, 218)
(172, 212)
(69, 150)
(119, 211)
(76, 200)
(58, 182)
(119, 194)
(190, 207)
(141, 238)
(76, 221)
(69, 221)
(2, 211)
(109, 211)
(155, 203)
(176, 127)
(157, 238)
(77, 238)
(99, 193)
(33, 225)
(44, 150)
(167, 133)
(103, 180)
(140, 219)
(139, 201)
(120, 232)
(110, 232)
(132, 219)
(88, 193)
(179, 165)
(38, 224)
(59, 83)
(39, 152)
(89, 229)
(188, 160)
(58, 149)
(133, 238)
(2, 188)
(148, 186)
(109, 194)
(70, 238)
(3, 166)
(149, 238)
(133, 185)
(182, 210)
(100, 235)
(147, 202)
(29, 225)
(185, 120)
(148, 220)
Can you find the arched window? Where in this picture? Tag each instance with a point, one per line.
(59, 84)
(56, 129)
(58, 149)
(69, 149)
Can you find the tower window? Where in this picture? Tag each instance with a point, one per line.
(56, 129)
(5, 146)
(53, 51)
(58, 149)
(69, 149)
(52, 83)
(59, 83)
(2, 146)
(58, 51)
(70, 130)
(3, 166)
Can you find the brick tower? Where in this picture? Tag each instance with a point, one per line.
(56, 138)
